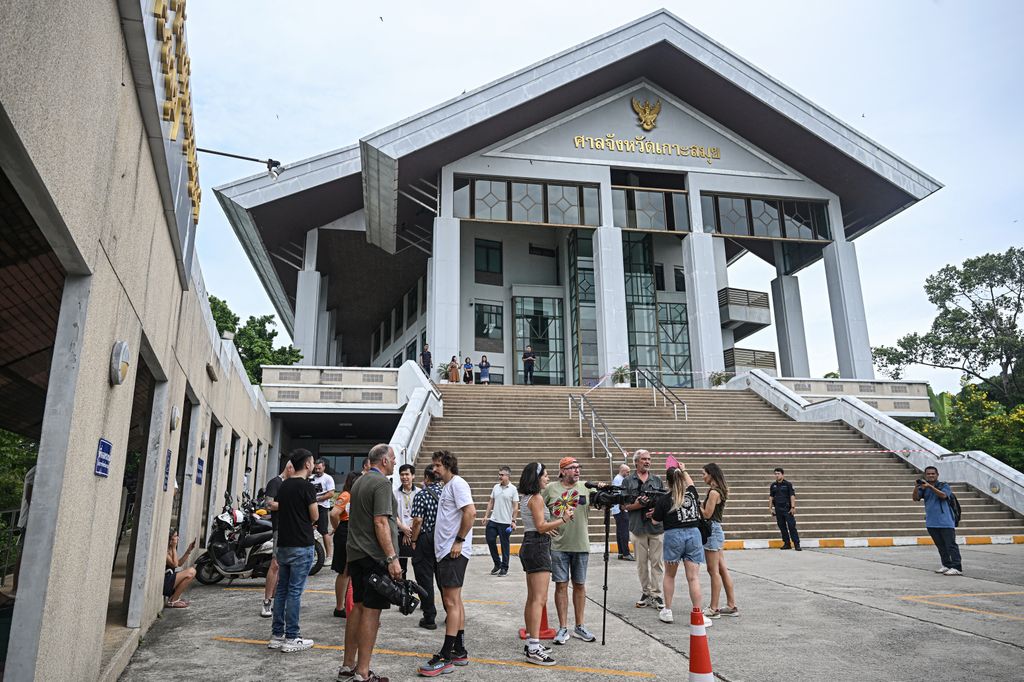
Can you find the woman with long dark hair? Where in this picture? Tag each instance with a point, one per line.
(535, 555)
(679, 511)
(339, 562)
(714, 548)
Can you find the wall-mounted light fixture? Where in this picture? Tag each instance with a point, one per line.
(274, 168)
(175, 418)
(203, 441)
(120, 361)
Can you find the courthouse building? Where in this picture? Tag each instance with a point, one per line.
(589, 206)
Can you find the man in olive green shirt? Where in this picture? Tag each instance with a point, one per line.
(570, 549)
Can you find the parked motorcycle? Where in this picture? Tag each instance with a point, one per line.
(241, 544)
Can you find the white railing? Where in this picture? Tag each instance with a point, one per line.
(977, 469)
(423, 403)
(600, 434)
(667, 394)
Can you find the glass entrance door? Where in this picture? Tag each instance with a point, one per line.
(539, 323)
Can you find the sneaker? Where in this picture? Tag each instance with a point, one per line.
(346, 674)
(538, 657)
(712, 613)
(436, 666)
(268, 608)
(297, 644)
(628, 557)
(581, 632)
(643, 601)
(373, 677)
(460, 657)
(941, 569)
(502, 573)
(786, 546)
(665, 616)
(276, 642)
(733, 612)
(562, 636)
(494, 571)
(657, 603)
(428, 624)
(707, 622)
(797, 548)
(953, 571)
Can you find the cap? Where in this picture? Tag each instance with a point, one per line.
(566, 462)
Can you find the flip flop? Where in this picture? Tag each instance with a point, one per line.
(177, 604)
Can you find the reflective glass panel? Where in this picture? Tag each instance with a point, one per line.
(732, 214)
(527, 202)
(707, 212)
(765, 217)
(490, 200)
(591, 206)
(564, 204)
(619, 211)
(680, 212)
(799, 224)
(650, 210)
(460, 197)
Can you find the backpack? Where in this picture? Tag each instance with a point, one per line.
(954, 506)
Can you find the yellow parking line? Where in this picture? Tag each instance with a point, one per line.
(311, 591)
(962, 594)
(485, 661)
(927, 599)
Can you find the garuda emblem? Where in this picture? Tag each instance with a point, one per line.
(646, 114)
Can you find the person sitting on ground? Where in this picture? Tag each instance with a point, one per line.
(680, 512)
(175, 581)
(714, 505)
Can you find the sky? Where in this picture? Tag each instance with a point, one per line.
(933, 81)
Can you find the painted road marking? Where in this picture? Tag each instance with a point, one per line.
(331, 592)
(927, 599)
(485, 661)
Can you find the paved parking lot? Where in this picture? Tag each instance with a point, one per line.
(829, 614)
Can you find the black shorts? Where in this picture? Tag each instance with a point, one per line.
(339, 560)
(323, 522)
(452, 572)
(168, 583)
(359, 572)
(535, 552)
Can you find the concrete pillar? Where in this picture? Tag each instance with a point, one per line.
(849, 323)
(789, 327)
(444, 299)
(324, 324)
(722, 282)
(307, 303)
(609, 280)
(706, 352)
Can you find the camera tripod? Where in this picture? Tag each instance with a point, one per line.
(604, 602)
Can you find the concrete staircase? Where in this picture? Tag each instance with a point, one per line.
(840, 493)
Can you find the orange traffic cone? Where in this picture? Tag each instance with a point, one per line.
(700, 655)
(545, 631)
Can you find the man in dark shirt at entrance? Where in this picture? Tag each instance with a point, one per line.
(296, 513)
(783, 503)
(529, 359)
(425, 360)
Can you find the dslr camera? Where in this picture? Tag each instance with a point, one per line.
(611, 495)
(405, 594)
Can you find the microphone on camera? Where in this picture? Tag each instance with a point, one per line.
(592, 485)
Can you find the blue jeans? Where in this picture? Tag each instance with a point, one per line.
(496, 531)
(294, 563)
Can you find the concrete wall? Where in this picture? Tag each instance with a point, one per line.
(82, 131)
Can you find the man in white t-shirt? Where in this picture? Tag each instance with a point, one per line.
(500, 519)
(453, 542)
(323, 483)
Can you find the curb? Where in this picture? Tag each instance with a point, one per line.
(827, 543)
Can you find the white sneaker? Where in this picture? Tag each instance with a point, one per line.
(708, 622)
(665, 615)
(268, 608)
(941, 569)
(953, 571)
(562, 636)
(297, 644)
(276, 642)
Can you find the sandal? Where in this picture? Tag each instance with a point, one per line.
(177, 604)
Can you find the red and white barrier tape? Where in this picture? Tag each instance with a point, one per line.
(780, 452)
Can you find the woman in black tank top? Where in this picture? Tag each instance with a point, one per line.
(714, 548)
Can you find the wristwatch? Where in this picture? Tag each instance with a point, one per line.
(388, 560)
(459, 538)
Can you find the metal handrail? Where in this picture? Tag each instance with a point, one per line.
(667, 394)
(602, 436)
(600, 381)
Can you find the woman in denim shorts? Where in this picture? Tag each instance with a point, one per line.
(714, 505)
(680, 512)
(535, 555)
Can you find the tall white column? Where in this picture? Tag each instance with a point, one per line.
(307, 303)
(706, 352)
(609, 279)
(849, 323)
(324, 324)
(444, 300)
(789, 327)
(722, 282)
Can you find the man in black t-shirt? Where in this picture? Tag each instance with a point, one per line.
(297, 512)
(426, 361)
(273, 486)
(529, 360)
(783, 502)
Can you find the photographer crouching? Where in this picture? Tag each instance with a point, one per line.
(645, 532)
(372, 543)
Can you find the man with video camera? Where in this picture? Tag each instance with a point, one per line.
(372, 551)
(645, 532)
(939, 519)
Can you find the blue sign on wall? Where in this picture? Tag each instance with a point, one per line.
(167, 470)
(103, 451)
(199, 472)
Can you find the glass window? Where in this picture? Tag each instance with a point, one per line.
(488, 262)
(619, 210)
(375, 343)
(460, 197)
(527, 202)
(386, 333)
(410, 351)
(820, 218)
(399, 320)
(397, 362)
(489, 327)
(732, 215)
(650, 210)
(680, 276)
(591, 206)
(765, 217)
(707, 212)
(659, 277)
(564, 204)
(539, 323)
(680, 212)
(423, 295)
(799, 224)
(490, 199)
(411, 299)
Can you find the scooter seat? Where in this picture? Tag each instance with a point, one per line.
(257, 539)
(262, 525)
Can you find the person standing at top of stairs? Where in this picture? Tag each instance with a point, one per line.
(529, 359)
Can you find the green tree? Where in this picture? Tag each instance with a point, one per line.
(17, 456)
(254, 340)
(977, 325)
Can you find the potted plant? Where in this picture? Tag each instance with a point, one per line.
(620, 376)
(442, 372)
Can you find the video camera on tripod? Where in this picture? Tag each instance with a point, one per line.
(606, 496)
